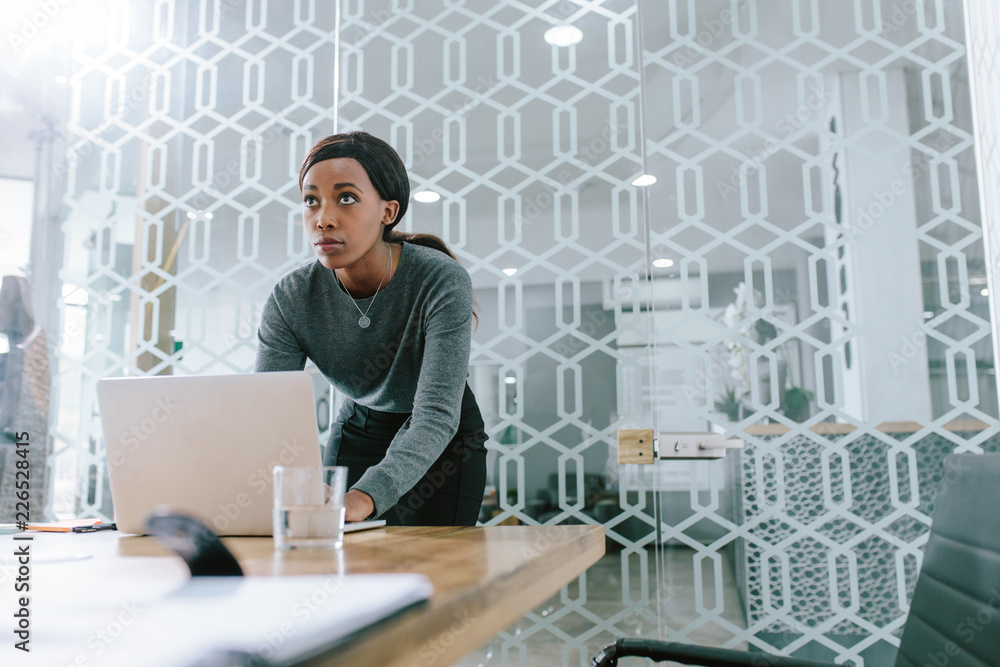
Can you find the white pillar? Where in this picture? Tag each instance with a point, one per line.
(881, 263)
(982, 39)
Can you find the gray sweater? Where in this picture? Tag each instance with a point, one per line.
(414, 357)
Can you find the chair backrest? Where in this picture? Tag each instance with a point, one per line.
(954, 617)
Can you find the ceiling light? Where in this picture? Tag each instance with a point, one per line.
(563, 35)
(644, 180)
(510, 271)
(209, 216)
(928, 314)
(510, 379)
(985, 292)
(426, 196)
(191, 215)
(663, 263)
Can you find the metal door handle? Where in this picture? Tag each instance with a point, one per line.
(642, 446)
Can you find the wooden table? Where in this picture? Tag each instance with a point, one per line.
(484, 579)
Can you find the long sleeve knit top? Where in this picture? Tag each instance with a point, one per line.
(413, 358)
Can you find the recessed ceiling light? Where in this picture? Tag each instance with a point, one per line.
(985, 292)
(191, 215)
(644, 180)
(928, 314)
(563, 35)
(209, 215)
(511, 271)
(510, 379)
(426, 196)
(663, 263)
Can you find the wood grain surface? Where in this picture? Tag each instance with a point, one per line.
(830, 428)
(485, 578)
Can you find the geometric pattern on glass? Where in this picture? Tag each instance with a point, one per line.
(822, 217)
(769, 126)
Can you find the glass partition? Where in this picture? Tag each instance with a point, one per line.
(805, 273)
(817, 225)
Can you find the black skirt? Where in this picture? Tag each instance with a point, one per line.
(449, 494)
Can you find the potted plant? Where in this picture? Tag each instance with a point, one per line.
(795, 403)
(730, 404)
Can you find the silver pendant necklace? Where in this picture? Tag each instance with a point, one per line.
(363, 321)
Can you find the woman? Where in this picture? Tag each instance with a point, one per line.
(387, 318)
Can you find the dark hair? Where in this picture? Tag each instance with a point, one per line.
(387, 173)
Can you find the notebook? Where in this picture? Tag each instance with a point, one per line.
(355, 526)
(262, 620)
(205, 445)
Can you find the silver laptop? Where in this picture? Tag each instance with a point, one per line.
(205, 445)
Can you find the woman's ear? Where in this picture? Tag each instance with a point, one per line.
(390, 211)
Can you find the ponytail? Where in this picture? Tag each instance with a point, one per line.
(428, 241)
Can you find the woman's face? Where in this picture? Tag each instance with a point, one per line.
(344, 214)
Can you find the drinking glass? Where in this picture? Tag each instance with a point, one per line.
(309, 507)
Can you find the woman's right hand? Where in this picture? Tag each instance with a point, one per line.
(358, 505)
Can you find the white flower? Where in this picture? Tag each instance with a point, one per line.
(736, 314)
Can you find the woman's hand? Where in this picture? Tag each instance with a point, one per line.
(358, 505)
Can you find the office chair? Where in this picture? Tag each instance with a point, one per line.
(954, 618)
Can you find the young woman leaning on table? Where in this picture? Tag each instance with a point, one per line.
(387, 318)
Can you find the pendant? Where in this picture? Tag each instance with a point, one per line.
(364, 322)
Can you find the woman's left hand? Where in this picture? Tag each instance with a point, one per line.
(358, 505)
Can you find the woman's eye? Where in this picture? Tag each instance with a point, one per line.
(347, 198)
(309, 201)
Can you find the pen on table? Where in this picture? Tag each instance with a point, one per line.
(95, 528)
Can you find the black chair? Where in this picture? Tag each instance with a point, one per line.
(954, 618)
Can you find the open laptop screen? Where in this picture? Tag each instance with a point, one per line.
(205, 445)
